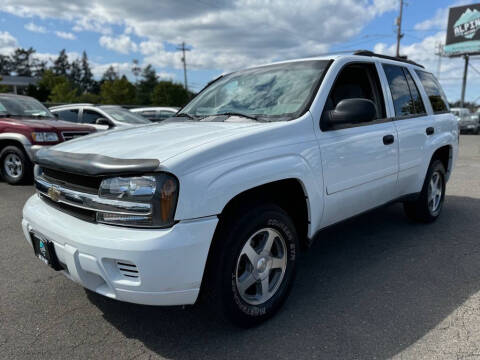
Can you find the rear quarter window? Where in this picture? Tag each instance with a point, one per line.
(434, 92)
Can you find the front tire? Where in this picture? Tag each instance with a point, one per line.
(428, 206)
(15, 166)
(253, 266)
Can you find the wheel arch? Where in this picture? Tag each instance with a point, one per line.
(445, 155)
(290, 194)
(13, 139)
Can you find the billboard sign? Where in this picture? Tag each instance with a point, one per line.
(463, 30)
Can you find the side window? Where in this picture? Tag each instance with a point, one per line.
(434, 91)
(70, 115)
(416, 98)
(402, 99)
(90, 116)
(358, 80)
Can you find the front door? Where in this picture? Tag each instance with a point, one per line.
(360, 161)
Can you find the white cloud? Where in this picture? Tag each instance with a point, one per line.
(7, 43)
(35, 28)
(121, 44)
(65, 35)
(227, 35)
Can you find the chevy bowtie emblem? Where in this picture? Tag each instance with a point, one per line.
(54, 193)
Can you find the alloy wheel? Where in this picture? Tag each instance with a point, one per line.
(261, 266)
(435, 192)
(13, 166)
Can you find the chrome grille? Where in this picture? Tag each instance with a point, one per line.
(69, 135)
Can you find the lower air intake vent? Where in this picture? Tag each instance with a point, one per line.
(127, 269)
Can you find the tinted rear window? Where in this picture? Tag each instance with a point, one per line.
(402, 99)
(434, 91)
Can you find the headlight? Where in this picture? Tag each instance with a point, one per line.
(40, 137)
(160, 191)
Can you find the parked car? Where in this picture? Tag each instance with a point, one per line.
(214, 204)
(25, 127)
(467, 122)
(102, 117)
(156, 114)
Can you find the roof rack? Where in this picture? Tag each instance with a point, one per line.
(371, 53)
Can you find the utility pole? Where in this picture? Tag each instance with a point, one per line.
(184, 60)
(464, 81)
(439, 53)
(399, 28)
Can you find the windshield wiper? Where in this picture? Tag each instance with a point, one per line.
(184, 114)
(237, 114)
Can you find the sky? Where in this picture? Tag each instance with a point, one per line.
(223, 35)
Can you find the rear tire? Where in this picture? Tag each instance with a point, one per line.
(428, 206)
(252, 267)
(15, 166)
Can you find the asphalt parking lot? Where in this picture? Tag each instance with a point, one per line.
(376, 286)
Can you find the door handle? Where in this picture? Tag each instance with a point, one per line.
(430, 130)
(388, 139)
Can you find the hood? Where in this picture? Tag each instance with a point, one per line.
(44, 124)
(155, 141)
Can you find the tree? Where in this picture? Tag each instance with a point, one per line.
(3, 88)
(38, 67)
(136, 69)
(146, 85)
(109, 75)
(89, 98)
(119, 91)
(45, 85)
(86, 81)
(167, 93)
(5, 65)
(63, 92)
(61, 66)
(75, 74)
(21, 61)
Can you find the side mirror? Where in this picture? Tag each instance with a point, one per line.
(351, 111)
(103, 121)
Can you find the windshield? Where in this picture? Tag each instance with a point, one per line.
(23, 106)
(270, 93)
(122, 115)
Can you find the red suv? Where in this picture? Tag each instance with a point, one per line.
(25, 127)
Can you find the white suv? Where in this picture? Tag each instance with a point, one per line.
(216, 203)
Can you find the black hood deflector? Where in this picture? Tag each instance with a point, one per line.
(93, 164)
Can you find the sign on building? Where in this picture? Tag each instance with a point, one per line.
(463, 30)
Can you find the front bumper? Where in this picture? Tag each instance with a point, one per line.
(170, 262)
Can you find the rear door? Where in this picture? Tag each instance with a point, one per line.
(70, 115)
(359, 160)
(414, 125)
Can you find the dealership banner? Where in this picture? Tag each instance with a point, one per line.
(463, 31)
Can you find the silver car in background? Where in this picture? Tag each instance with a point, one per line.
(102, 117)
(467, 122)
